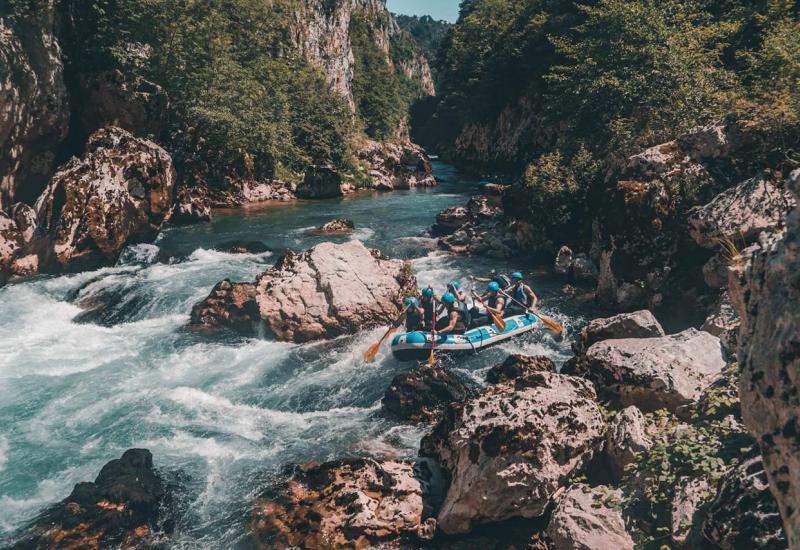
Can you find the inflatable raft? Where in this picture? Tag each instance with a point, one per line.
(416, 346)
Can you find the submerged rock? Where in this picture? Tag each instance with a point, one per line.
(118, 193)
(421, 394)
(339, 226)
(589, 518)
(508, 450)
(356, 503)
(517, 366)
(230, 305)
(744, 513)
(325, 292)
(626, 439)
(121, 508)
(652, 373)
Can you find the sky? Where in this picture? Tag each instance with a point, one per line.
(438, 9)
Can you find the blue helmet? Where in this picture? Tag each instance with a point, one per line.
(455, 285)
(448, 298)
(427, 292)
(493, 286)
(411, 301)
(517, 275)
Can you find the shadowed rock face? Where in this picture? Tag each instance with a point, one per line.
(34, 110)
(651, 373)
(585, 520)
(626, 439)
(765, 289)
(231, 305)
(639, 324)
(518, 366)
(356, 503)
(421, 394)
(508, 450)
(744, 513)
(120, 508)
(118, 193)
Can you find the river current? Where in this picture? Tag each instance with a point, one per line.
(224, 416)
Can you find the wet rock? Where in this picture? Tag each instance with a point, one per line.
(121, 508)
(485, 231)
(744, 513)
(578, 267)
(508, 450)
(639, 324)
(450, 220)
(25, 266)
(231, 305)
(397, 165)
(242, 247)
(517, 366)
(34, 117)
(24, 217)
(340, 226)
(356, 503)
(421, 394)
(723, 321)
(10, 244)
(589, 518)
(190, 207)
(118, 193)
(651, 373)
(686, 516)
(320, 182)
(741, 213)
(626, 439)
(765, 290)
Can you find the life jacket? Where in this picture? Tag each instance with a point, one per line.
(413, 320)
(503, 280)
(492, 301)
(520, 296)
(464, 316)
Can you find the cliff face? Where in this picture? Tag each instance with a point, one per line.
(766, 290)
(34, 113)
(322, 34)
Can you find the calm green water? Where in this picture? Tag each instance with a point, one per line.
(223, 416)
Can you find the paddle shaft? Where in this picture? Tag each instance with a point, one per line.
(497, 319)
(553, 325)
(432, 358)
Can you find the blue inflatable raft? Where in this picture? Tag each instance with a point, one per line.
(416, 346)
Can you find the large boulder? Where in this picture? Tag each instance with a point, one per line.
(231, 305)
(118, 193)
(339, 226)
(517, 366)
(450, 220)
(320, 182)
(626, 439)
(421, 394)
(744, 513)
(325, 292)
(34, 110)
(397, 165)
(589, 518)
(508, 450)
(639, 324)
(120, 509)
(190, 207)
(741, 213)
(651, 373)
(357, 503)
(764, 288)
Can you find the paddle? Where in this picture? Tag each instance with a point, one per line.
(496, 319)
(369, 355)
(432, 359)
(551, 324)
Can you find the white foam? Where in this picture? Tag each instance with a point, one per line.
(3, 452)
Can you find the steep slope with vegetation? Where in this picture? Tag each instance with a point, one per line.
(428, 33)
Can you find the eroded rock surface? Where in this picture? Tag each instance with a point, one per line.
(231, 305)
(651, 373)
(118, 193)
(723, 321)
(639, 324)
(121, 508)
(686, 516)
(10, 244)
(339, 226)
(517, 366)
(744, 513)
(421, 394)
(320, 182)
(401, 165)
(508, 450)
(589, 518)
(358, 503)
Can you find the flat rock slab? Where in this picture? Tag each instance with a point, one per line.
(654, 373)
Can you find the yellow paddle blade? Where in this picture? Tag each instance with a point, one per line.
(551, 324)
(431, 360)
(372, 351)
(499, 322)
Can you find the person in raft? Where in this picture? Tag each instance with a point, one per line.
(502, 280)
(457, 318)
(414, 315)
(520, 295)
(494, 300)
(454, 288)
(427, 304)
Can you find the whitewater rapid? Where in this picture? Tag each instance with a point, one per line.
(92, 364)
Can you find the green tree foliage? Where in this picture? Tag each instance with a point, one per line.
(428, 35)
